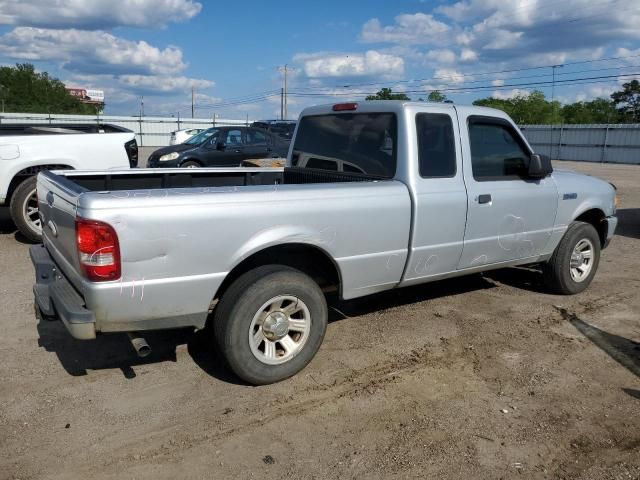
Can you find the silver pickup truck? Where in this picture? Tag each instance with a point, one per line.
(375, 196)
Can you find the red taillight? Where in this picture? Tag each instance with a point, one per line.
(341, 107)
(98, 250)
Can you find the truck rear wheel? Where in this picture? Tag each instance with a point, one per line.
(24, 210)
(573, 265)
(270, 323)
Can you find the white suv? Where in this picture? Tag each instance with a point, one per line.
(26, 149)
(181, 136)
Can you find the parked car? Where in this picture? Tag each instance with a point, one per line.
(181, 136)
(282, 128)
(26, 149)
(441, 191)
(220, 147)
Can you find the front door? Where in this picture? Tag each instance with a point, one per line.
(234, 148)
(510, 216)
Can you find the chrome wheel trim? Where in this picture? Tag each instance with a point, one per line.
(581, 261)
(30, 212)
(279, 330)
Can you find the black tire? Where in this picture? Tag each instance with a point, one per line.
(190, 164)
(557, 271)
(243, 300)
(19, 200)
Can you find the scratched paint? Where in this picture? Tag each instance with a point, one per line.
(424, 264)
(479, 260)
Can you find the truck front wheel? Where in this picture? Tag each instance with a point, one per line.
(270, 323)
(24, 210)
(573, 265)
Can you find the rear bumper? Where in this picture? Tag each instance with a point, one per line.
(56, 297)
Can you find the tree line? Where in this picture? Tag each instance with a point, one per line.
(24, 90)
(535, 109)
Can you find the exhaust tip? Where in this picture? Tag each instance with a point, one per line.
(139, 344)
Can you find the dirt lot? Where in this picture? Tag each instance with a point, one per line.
(482, 377)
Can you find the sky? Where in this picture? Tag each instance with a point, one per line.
(232, 54)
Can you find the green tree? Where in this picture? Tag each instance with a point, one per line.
(627, 101)
(25, 90)
(436, 96)
(526, 109)
(599, 110)
(387, 94)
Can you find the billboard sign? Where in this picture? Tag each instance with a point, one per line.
(87, 95)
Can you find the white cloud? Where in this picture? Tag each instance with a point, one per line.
(597, 91)
(441, 56)
(418, 28)
(450, 75)
(90, 52)
(506, 95)
(372, 62)
(465, 38)
(96, 14)
(502, 39)
(203, 98)
(498, 82)
(468, 55)
(164, 84)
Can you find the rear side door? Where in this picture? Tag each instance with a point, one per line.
(510, 217)
(440, 197)
(258, 144)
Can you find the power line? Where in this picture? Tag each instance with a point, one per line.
(475, 74)
(568, 81)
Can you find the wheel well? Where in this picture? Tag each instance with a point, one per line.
(195, 160)
(308, 259)
(25, 173)
(595, 217)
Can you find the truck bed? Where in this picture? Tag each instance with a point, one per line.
(150, 179)
(181, 231)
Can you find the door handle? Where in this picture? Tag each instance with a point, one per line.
(484, 198)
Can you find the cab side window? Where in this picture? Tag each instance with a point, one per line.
(497, 152)
(436, 145)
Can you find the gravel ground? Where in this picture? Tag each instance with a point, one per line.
(482, 377)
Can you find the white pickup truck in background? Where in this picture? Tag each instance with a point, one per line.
(26, 149)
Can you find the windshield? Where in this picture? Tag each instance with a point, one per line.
(201, 137)
(347, 142)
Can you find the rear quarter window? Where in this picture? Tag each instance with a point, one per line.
(354, 142)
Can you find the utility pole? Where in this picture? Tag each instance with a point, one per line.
(285, 92)
(281, 104)
(142, 106)
(193, 107)
(553, 105)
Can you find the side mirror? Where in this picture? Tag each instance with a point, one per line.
(220, 146)
(539, 166)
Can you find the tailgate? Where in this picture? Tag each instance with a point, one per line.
(57, 202)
